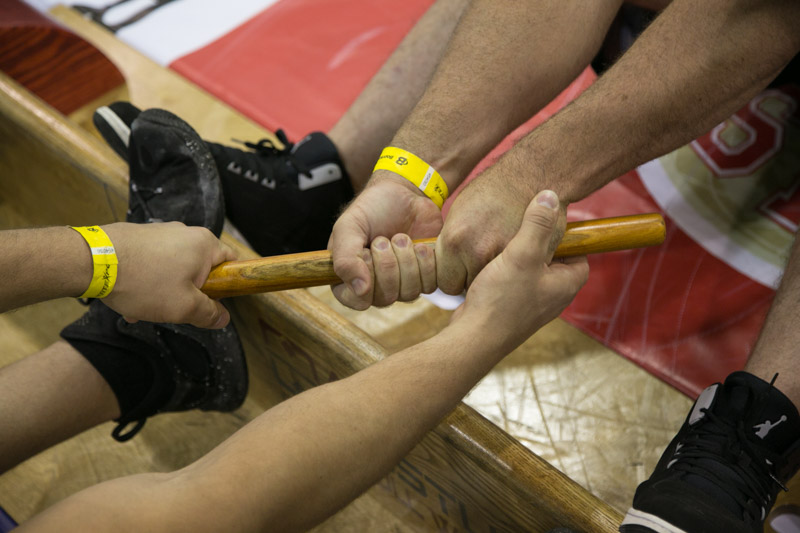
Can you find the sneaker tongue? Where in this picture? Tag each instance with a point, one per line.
(314, 149)
(738, 398)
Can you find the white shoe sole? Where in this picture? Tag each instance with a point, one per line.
(649, 521)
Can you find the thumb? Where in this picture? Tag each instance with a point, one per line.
(208, 313)
(347, 243)
(532, 241)
(224, 253)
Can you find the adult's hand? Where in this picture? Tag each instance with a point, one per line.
(480, 223)
(384, 217)
(522, 289)
(161, 269)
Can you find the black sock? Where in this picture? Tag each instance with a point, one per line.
(128, 371)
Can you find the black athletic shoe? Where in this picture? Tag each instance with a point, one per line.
(114, 124)
(156, 368)
(282, 200)
(172, 174)
(739, 445)
(185, 367)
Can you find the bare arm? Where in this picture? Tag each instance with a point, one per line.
(161, 267)
(302, 460)
(694, 66)
(506, 60)
(42, 264)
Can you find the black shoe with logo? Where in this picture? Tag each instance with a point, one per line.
(737, 448)
(282, 197)
(155, 368)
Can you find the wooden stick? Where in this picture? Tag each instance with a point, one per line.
(311, 269)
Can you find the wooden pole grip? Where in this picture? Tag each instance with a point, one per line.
(311, 269)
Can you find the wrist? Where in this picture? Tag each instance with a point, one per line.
(384, 177)
(485, 349)
(77, 266)
(414, 169)
(103, 261)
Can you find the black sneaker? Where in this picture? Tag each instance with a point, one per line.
(739, 445)
(282, 199)
(114, 124)
(158, 368)
(155, 368)
(172, 174)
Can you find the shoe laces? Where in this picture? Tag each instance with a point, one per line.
(141, 195)
(267, 147)
(749, 478)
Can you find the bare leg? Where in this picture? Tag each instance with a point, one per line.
(776, 348)
(47, 398)
(371, 122)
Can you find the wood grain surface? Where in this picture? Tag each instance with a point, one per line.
(312, 269)
(51, 61)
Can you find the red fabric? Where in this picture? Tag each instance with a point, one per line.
(677, 311)
(300, 63)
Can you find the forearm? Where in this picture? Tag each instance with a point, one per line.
(506, 61)
(321, 449)
(302, 460)
(42, 264)
(694, 66)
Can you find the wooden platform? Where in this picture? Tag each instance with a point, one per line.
(580, 407)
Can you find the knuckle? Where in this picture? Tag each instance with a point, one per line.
(455, 240)
(348, 299)
(192, 309)
(451, 284)
(385, 301)
(409, 295)
(387, 265)
(344, 267)
(541, 218)
(359, 305)
(484, 251)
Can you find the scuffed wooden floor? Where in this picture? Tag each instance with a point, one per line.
(584, 409)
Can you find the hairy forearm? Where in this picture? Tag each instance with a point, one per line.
(694, 66)
(506, 61)
(42, 264)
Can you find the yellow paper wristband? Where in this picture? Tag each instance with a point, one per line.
(104, 259)
(414, 170)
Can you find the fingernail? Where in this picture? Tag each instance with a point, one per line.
(547, 198)
(401, 241)
(359, 287)
(382, 244)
